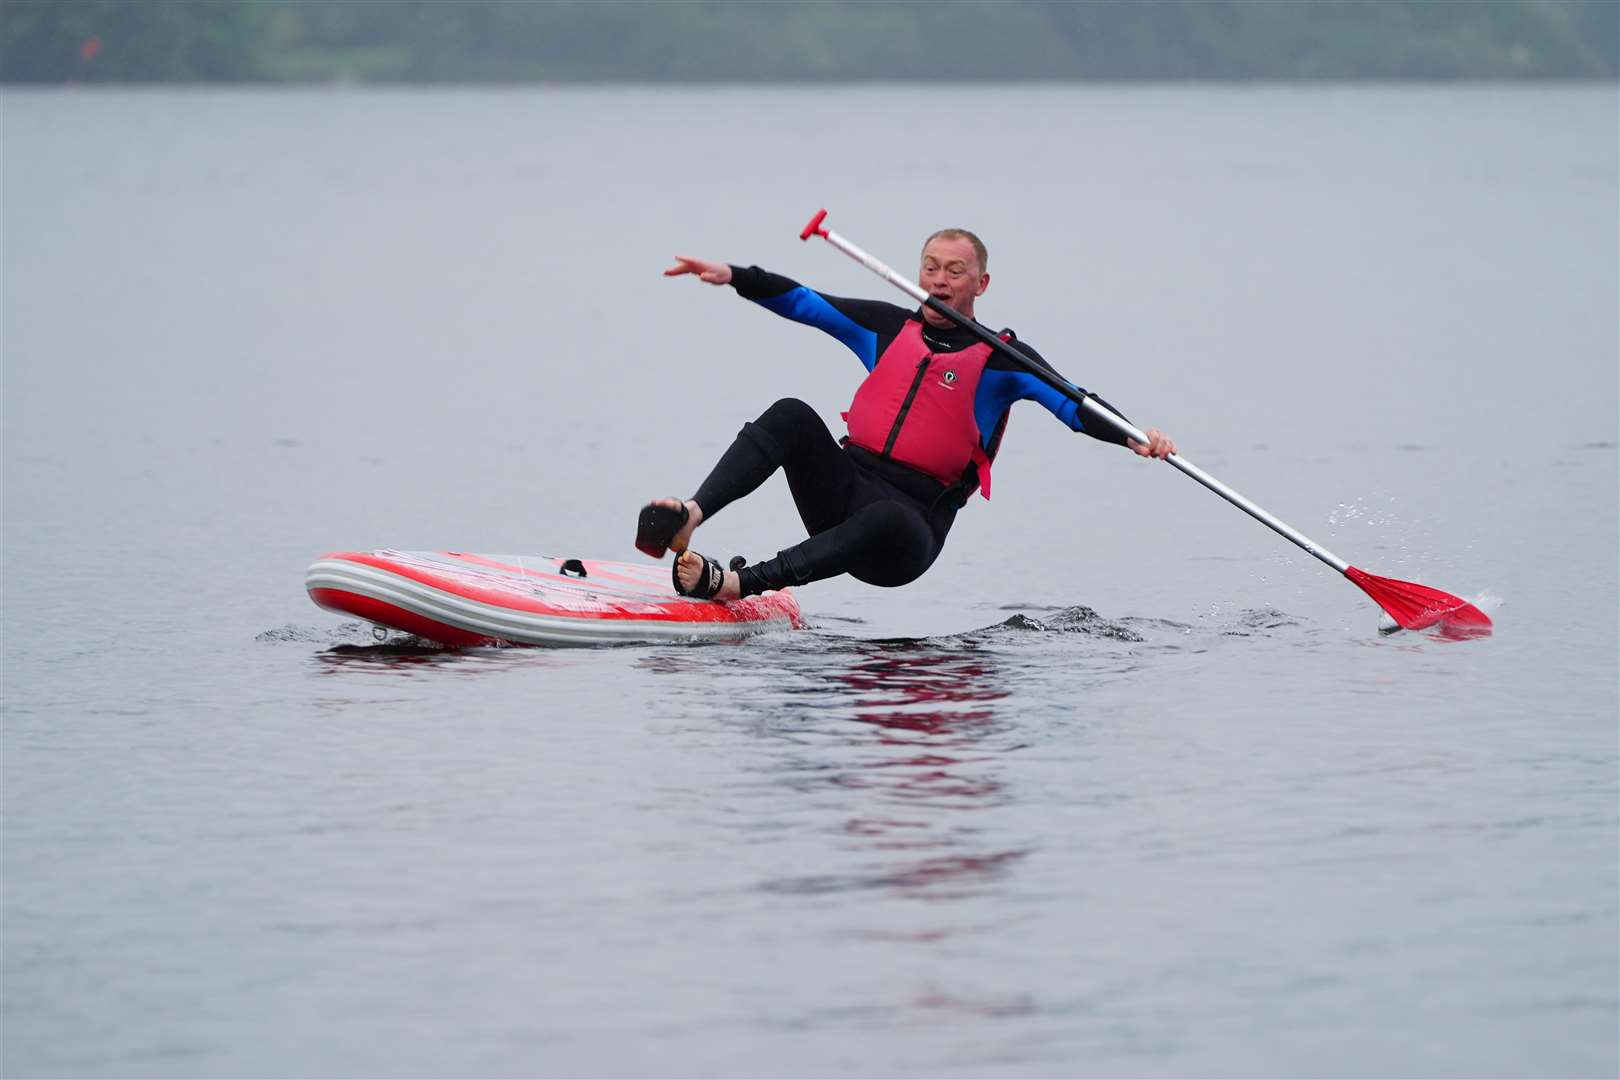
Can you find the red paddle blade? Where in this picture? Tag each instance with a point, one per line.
(1417, 607)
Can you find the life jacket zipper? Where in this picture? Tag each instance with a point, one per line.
(905, 406)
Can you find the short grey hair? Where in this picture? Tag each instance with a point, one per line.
(963, 234)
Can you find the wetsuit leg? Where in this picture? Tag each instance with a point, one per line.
(789, 436)
(888, 539)
(859, 524)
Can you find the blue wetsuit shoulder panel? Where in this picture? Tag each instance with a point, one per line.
(809, 307)
(866, 327)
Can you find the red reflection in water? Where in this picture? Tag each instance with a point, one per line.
(921, 677)
(955, 869)
(937, 783)
(925, 723)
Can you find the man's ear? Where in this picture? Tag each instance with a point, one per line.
(984, 283)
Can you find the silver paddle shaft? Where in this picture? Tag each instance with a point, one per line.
(1277, 525)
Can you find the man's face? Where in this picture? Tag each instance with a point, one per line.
(951, 273)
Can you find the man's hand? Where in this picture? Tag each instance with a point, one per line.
(1159, 445)
(713, 273)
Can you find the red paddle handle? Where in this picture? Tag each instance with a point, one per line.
(814, 228)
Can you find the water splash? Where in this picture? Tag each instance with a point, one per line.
(1445, 631)
(1070, 620)
(351, 634)
(1252, 621)
(1359, 513)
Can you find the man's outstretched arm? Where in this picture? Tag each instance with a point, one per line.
(864, 326)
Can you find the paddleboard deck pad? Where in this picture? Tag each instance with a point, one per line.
(457, 598)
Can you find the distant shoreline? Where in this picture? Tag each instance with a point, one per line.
(805, 84)
(810, 42)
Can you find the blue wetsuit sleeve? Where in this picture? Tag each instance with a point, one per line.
(859, 324)
(1002, 384)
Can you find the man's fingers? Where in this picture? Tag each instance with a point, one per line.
(1159, 445)
(705, 271)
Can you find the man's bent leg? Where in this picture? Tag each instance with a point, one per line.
(788, 435)
(883, 543)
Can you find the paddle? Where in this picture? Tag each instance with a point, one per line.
(1412, 606)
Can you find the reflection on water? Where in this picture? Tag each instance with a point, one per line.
(399, 660)
(341, 655)
(910, 739)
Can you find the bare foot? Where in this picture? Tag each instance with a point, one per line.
(683, 539)
(689, 567)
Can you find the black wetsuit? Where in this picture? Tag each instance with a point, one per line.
(882, 522)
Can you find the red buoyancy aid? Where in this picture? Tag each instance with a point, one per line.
(916, 407)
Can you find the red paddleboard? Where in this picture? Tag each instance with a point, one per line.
(457, 598)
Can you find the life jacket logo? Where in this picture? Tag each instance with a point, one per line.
(947, 379)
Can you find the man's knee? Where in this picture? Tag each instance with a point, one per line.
(783, 428)
(787, 416)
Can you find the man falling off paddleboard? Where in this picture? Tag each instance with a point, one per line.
(923, 429)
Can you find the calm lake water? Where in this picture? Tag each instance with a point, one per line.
(1125, 786)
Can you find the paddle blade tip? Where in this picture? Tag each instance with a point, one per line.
(1417, 607)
